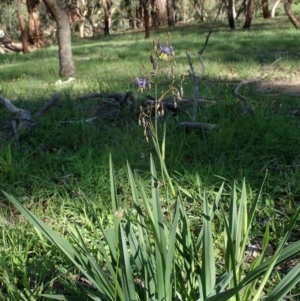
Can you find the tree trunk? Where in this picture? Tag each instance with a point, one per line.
(34, 24)
(274, 8)
(146, 19)
(242, 9)
(106, 17)
(24, 37)
(64, 37)
(250, 11)
(289, 13)
(170, 10)
(159, 12)
(230, 12)
(265, 9)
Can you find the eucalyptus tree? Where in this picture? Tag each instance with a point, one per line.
(56, 8)
(145, 11)
(231, 13)
(170, 12)
(249, 14)
(24, 37)
(35, 33)
(265, 9)
(159, 12)
(105, 6)
(291, 16)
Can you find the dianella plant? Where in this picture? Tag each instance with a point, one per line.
(154, 255)
(160, 74)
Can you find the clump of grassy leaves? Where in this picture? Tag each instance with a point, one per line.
(154, 257)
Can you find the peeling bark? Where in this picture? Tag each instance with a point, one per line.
(35, 34)
(159, 13)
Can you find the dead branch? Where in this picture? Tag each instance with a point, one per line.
(250, 81)
(47, 106)
(181, 104)
(26, 123)
(24, 116)
(17, 47)
(103, 115)
(89, 120)
(89, 96)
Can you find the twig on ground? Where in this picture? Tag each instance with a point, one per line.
(103, 115)
(198, 125)
(89, 120)
(88, 96)
(250, 81)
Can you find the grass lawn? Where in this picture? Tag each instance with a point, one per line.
(61, 165)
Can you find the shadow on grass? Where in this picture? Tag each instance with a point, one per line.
(243, 146)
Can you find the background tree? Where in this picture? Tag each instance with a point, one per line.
(265, 9)
(249, 14)
(159, 13)
(275, 5)
(24, 37)
(170, 11)
(35, 34)
(230, 12)
(106, 16)
(145, 13)
(63, 36)
(291, 16)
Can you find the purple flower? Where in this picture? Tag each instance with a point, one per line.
(142, 83)
(165, 49)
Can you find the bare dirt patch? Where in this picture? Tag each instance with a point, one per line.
(276, 87)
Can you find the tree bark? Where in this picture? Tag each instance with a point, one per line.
(146, 18)
(170, 10)
(289, 13)
(274, 8)
(67, 67)
(159, 13)
(265, 9)
(24, 37)
(230, 13)
(35, 34)
(106, 17)
(250, 11)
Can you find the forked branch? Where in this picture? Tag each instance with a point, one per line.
(26, 123)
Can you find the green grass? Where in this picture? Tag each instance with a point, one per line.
(61, 165)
